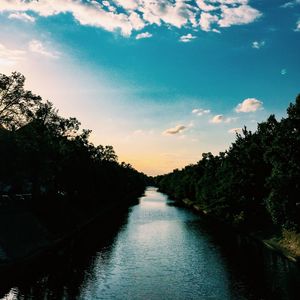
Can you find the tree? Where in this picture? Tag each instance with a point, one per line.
(255, 183)
(284, 156)
(17, 106)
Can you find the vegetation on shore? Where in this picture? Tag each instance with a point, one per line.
(291, 241)
(51, 159)
(254, 185)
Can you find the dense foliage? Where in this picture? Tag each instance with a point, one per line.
(48, 156)
(255, 184)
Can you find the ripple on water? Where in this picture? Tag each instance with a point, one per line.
(161, 252)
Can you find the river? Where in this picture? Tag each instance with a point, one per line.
(157, 250)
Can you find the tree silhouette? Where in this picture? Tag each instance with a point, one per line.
(17, 106)
(52, 158)
(255, 184)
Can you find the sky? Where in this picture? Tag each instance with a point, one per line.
(162, 81)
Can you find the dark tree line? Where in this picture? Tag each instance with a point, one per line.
(48, 156)
(255, 184)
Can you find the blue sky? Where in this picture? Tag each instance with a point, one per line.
(161, 81)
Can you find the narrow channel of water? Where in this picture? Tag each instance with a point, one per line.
(160, 251)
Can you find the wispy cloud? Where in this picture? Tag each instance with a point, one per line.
(200, 111)
(143, 35)
(39, 48)
(258, 45)
(217, 119)
(249, 105)
(235, 130)
(221, 119)
(187, 38)
(175, 130)
(283, 72)
(291, 4)
(22, 16)
(10, 56)
(128, 16)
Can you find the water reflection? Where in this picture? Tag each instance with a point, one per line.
(160, 251)
(161, 254)
(61, 277)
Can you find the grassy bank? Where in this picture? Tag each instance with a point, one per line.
(285, 243)
(288, 243)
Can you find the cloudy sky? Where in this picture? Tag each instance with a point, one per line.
(161, 80)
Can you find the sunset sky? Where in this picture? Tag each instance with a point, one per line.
(162, 81)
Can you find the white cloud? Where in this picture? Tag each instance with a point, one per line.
(217, 119)
(143, 35)
(258, 45)
(243, 14)
(135, 15)
(175, 14)
(175, 130)
(206, 20)
(22, 16)
(89, 13)
(225, 13)
(187, 38)
(221, 119)
(200, 111)
(128, 4)
(235, 130)
(136, 21)
(249, 105)
(38, 47)
(204, 6)
(10, 56)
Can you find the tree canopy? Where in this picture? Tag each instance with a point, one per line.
(17, 106)
(50, 156)
(255, 183)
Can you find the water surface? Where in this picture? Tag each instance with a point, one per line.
(159, 251)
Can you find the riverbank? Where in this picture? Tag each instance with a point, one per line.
(286, 245)
(26, 237)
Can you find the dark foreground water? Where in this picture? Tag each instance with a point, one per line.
(159, 251)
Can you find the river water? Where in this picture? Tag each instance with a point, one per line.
(159, 251)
